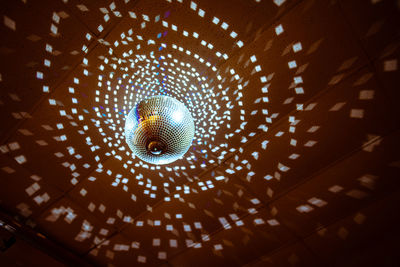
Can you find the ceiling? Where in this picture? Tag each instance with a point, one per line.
(295, 158)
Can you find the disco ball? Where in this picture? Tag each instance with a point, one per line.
(159, 130)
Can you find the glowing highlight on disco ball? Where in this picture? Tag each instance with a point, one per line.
(159, 130)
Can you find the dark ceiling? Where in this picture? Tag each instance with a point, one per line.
(295, 159)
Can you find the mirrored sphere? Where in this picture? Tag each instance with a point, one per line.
(159, 130)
